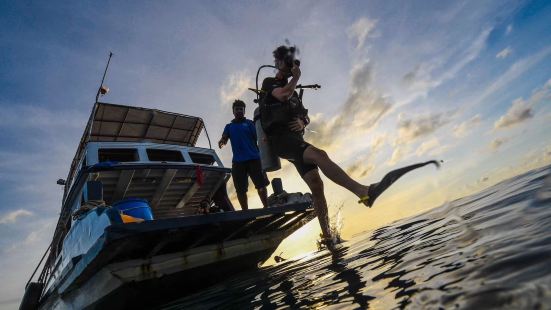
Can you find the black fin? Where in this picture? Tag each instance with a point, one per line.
(376, 189)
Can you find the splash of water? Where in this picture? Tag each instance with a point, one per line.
(336, 224)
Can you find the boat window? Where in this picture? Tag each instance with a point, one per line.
(199, 158)
(164, 155)
(118, 155)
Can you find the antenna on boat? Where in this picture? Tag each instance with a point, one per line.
(103, 90)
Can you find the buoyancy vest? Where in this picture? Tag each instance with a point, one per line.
(274, 114)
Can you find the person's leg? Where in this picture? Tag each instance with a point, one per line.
(239, 175)
(263, 194)
(315, 183)
(260, 180)
(242, 197)
(313, 155)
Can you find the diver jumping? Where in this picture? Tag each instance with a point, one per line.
(284, 119)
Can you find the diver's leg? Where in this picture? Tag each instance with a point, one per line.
(318, 157)
(314, 182)
(367, 194)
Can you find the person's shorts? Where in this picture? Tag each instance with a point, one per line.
(253, 168)
(291, 146)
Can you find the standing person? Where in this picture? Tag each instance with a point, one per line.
(286, 140)
(246, 157)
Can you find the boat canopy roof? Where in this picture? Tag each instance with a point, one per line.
(110, 122)
(114, 122)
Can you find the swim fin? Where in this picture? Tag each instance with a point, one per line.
(376, 189)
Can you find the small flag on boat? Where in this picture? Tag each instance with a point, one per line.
(199, 175)
(103, 90)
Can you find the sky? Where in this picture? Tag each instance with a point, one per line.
(468, 82)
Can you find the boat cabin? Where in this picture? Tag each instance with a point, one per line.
(159, 173)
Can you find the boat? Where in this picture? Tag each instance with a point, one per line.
(146, 217)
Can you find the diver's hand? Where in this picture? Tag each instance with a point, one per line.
(296, 125)
(295, 71)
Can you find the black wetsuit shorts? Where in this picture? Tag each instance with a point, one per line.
(253, 168)
(291, 146)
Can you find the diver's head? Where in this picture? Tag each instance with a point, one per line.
(238, 108)
(284, 59)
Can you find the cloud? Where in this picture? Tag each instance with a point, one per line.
(42, 229)
(514, 71)
(413, 128)
(464, 128)
(497, 143)
(398, 154)
(235, 87)
(427, 146)
(504, 53)
(420, 80)
(359, 169)
(362, 109)
(483, 179)
(377, 143)
(32, 237)
(361, 30)
(518, 113)
(522, 110)
(431, 147)
(364, 105)
(14, 215)
(409, 78)
(362, 166)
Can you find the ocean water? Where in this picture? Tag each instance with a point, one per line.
(488, 250)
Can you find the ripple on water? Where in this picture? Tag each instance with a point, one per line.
(488, 250)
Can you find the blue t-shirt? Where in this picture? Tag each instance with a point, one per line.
(242, 135)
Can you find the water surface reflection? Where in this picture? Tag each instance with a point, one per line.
(489, 250)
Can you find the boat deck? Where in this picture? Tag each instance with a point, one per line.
(216, 234)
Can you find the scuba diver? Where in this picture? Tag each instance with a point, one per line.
(246, 158)
(284, 119)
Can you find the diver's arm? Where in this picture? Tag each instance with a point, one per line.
(297, 124)
(284, 93)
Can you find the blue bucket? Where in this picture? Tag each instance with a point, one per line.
(135, 207)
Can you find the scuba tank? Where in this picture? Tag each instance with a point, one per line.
(270, 161)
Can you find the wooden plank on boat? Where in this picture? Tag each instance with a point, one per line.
(125, 178)
(194, 188)
(163, 185)
(282, 218)
(295, 221)
(240, 230)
